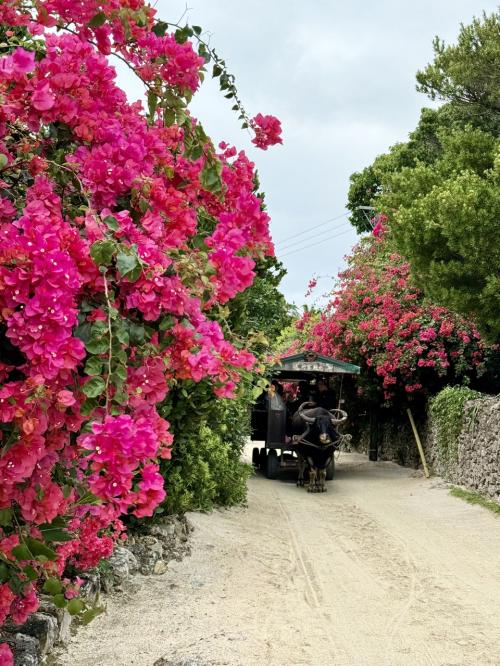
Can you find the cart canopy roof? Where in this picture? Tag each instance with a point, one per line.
(302, 365)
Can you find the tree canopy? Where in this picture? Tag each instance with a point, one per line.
(439, 190)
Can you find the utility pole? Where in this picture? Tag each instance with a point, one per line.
(365, 210)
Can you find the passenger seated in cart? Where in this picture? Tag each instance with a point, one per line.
(303, 395)
(274, 396)
(324, 396)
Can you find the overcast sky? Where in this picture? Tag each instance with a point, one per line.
(340, 75)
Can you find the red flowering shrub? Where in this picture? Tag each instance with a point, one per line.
(378, 319)
(122, 232)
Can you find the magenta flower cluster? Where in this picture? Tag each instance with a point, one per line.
(380, 320)
(122, 233)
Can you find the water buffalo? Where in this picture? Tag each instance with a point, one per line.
(315, 439)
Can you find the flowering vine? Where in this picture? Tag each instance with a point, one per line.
(123, 232)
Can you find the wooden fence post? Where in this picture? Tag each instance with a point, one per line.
(419, 443)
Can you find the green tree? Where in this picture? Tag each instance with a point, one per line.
(423, 145)
(444, 218)
(262, 312)
(467, 74)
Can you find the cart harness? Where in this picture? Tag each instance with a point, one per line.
(303, 440)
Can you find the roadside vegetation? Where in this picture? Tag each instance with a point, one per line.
(475, 498)
(136, 278)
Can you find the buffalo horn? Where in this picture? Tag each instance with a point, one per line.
(307, 419)
(338, 416)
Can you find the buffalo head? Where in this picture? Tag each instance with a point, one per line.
(321, 421)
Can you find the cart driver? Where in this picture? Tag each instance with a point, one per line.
(324, 396)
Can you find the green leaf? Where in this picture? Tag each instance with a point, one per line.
(183, 34)
(94, 365)
(197, 29)
(40, 549)
(91, 614)
(166, 322)
(152, 104)
(88, 498)
(4, 572)
(16, 585)
(160, 28)
(82, 331)
(217, 71)
(121, 333)
(98, 20)
(121, 357)
(4, 160)
(56, 535)
(136, 333)
(169, 117)
(196, 152)
(94, 387)
(102, 252)
(210, 176)
(30, 572)
(121, 372)
(120, 397)
(111, 222)
(75, 606)
(129, 265)
(99, 328)
(52, 586)
(22, 552)
(5, 517)
(88, 407)
(97, 346)
(59, 601)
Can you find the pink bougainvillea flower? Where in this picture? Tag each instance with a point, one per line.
(43, 99)
(6, 657)
(267, 131)
(24, 61)
(106, 236)
(66, 398)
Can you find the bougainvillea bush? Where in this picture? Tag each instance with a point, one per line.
(377, 318)
(123, 232)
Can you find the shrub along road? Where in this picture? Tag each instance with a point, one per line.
(385, 569)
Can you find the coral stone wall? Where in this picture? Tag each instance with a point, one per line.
(476, 462)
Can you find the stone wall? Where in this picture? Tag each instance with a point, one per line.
(393, 435)
(142, 554)
(476, 463)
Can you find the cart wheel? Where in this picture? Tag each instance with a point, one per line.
(272, 464)
(262, 459)
(255, 457)
(330, 470)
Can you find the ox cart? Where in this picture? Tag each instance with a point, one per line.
(274, 412)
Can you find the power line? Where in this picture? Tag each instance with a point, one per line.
(306, 247)
(316, 226)
(305, 240)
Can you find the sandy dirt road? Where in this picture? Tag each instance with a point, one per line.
(385, 569)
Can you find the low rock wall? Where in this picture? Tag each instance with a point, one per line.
(144, 553)
(476, 463)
